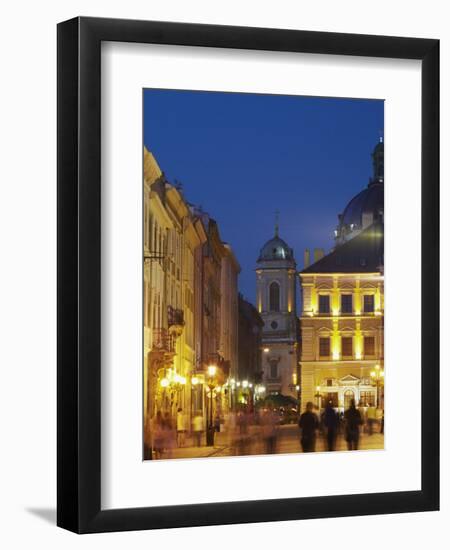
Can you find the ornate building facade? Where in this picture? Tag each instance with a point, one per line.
(190, 305)
(276, 302)
(342, 322)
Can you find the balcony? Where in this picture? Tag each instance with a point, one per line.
(163, 340)
(175, 320)
(175, 317)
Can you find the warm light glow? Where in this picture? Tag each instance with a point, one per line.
(250, 385)
(179, 379)
(335, 311)
(372, 374)
(266, 350)
(245, 384)
(212, 370)
(194, 380)
(164, 383)
(317, 388)
(297, 388)
(233, 381)
(238, 384)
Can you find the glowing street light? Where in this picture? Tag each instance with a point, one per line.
(377, 376)
(212, 369)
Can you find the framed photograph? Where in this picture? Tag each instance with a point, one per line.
(238, 338)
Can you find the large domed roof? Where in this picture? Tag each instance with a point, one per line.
(369, 201)
(276, 249)
(367, 207)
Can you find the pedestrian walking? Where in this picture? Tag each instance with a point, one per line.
(158, 435)
(269, 431)
(181, 427)
(331, 423)
(308, 425)
(197, 428)
(169, 435)
(371, 418)
(353, 421)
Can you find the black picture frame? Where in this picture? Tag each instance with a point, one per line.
(79, 280)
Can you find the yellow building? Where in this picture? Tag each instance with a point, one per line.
(342, 322)
(171, 238)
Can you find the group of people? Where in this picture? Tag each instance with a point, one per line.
(330, 422)
(257, 431)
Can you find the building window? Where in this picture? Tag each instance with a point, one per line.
(369, 345)
(274, 296)
(347, 346)
(273, 369)
(369, 303)
(324, 347)
(367, 398)
(346, 303)
(324, 303)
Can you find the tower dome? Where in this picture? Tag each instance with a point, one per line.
(367, 207)
(275, 249)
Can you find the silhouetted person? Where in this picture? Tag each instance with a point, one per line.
(331, 423)
(269, 431)
(308, 424)
(181, 427)
(353, 421)
(197, 428)
(371, 418)
(158, 435)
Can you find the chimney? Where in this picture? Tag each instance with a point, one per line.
(306, 258)
(318, 254)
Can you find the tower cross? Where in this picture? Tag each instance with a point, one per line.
(277, 219)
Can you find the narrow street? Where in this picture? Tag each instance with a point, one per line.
(288, 441)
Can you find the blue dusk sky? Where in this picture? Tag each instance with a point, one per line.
(244, 156)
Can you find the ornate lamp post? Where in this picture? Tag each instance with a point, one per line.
(318, 395)
(377, 377)
(211, 383)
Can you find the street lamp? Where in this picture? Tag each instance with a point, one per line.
(377, 376)
(211, 370)
(318, 396)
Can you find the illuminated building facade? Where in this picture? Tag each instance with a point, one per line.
(342, 322)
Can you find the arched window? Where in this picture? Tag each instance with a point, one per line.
(274, 296)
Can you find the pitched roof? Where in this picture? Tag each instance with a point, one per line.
(362, 254)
